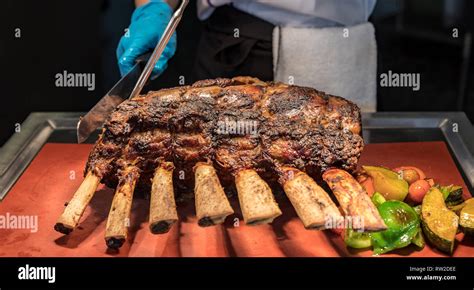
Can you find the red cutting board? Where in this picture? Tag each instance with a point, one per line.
(46, 185)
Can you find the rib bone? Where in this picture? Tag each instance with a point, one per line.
(312, 204)
(212, 205)
(354, 200)
(119, 216)
(68, 221)
(162, 204)
(256, 199)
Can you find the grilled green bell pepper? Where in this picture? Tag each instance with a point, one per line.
(403, 226)
(357, 240)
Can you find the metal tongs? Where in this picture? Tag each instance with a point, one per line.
(122, 90)
(160, 47)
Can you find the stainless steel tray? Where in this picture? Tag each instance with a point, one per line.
(452, 127)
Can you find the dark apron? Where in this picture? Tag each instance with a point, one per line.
(221, 54)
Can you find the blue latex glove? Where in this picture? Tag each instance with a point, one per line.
(146, 28)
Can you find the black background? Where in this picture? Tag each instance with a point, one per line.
(215, 273)
(81, 36)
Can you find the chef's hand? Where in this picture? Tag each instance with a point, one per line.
(146, 28)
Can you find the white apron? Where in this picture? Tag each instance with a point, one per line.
(340, 61)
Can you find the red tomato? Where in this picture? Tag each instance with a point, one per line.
(417, 190)
(420, 172)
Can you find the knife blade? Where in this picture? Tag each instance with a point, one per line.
(96, 117)
(130, 85)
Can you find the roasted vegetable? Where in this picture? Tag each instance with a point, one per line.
(378, 199)
(452, 194)
(407, 173)
(466, 217)
(368, 185)
(410, 175)
(418, 240)
(357, 240)
(417, 209)
(391, 185)
(403, 226)
(457, 208)
(417, 191)
(438, 222)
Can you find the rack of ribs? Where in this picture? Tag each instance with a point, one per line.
(224, 132)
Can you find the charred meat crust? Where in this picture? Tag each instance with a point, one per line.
(294, 126)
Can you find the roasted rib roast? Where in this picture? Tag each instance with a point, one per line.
(238, 131)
